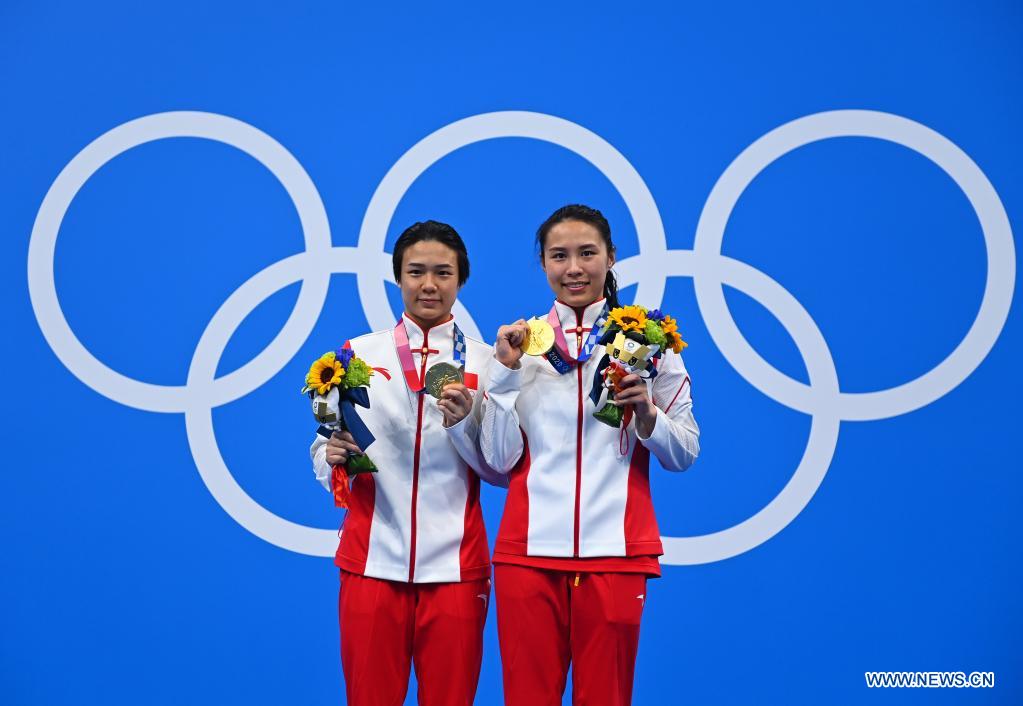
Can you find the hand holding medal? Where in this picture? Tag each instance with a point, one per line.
(442, 381)
(510, 340)
(445, 383)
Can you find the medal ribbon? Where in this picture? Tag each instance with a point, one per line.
(558, 355)
(408, 367)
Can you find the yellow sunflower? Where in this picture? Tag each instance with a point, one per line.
(325, 374)
(629, 318)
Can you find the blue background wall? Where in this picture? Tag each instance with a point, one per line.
(125, 581)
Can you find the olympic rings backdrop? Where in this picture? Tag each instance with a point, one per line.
(197, 199)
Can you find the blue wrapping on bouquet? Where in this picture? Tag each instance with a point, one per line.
(351, 422)
(598, 379)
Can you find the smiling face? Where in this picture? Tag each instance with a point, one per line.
(576, 261)
(429, 282)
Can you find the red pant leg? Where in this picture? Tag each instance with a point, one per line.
(448, 644)
(606, 612)
(377, 618)
(533, 628)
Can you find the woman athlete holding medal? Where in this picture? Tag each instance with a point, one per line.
(414, 560)
(578, 538)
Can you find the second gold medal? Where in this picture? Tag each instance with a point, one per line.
(540, 339)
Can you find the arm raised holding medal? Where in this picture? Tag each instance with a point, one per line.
(501, 441)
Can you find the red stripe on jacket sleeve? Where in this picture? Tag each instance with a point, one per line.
(684, 383)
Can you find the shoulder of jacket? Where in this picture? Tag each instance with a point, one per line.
(372, 340)
(473, 341)
(671, 361)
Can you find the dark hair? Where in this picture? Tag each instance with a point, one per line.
(431, 230)
(585, 214)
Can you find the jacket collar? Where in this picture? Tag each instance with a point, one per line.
(570, 319)
(416, 335)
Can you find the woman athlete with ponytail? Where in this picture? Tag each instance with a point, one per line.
(578, 538)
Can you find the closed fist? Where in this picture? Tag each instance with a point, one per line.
(510, 339)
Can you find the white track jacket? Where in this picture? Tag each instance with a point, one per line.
(418, 518)
(579, 488)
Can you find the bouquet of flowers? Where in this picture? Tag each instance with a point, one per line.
(336, 383)
(632, 337)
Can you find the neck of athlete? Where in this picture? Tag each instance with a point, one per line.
(580, 311)
(427, 324)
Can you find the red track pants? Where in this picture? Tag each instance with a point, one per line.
(387, 625)
(545, 622)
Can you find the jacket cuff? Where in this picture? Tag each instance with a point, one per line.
(320, 468)
(502, 379)
(466, 429)
(660, 437)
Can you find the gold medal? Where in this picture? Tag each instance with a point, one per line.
(438, 376)
(540, 339)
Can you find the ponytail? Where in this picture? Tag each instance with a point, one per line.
(611, 290)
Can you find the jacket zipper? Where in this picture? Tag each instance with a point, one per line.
(415, 458)
(578, 430)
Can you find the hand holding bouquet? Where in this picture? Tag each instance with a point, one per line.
(633, 337)
(336, 383)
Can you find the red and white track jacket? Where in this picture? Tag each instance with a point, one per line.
(579, 488)
(418, 518)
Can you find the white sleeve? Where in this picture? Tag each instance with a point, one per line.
(675, 439)
(500, 437)
(318, 453)
(465, 437)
